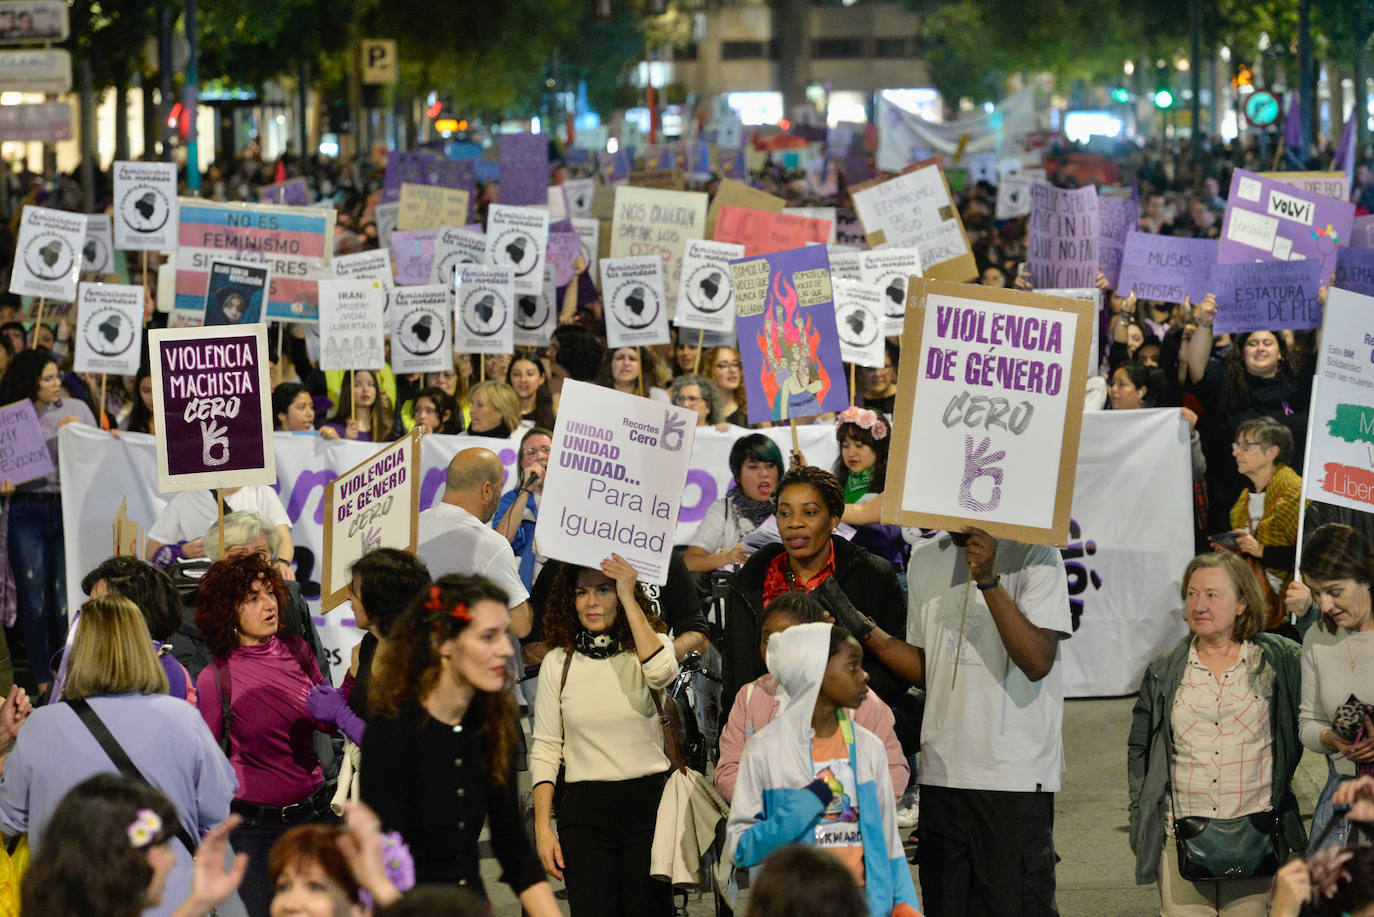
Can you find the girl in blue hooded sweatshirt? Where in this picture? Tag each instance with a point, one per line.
(812, 776)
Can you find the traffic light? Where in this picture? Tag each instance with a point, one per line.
(1243, 77)
(1164, 99)
(1121, 95)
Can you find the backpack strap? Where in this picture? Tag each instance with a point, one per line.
(224, 686)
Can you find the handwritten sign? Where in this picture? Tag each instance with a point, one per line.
(1268, 220)
(887, 271)
(859, 319)
(109, 328)
(422, 329)
(1117, 216)
(636, 302)
(145, 212)
(913, 209)
(564, 250)
(762, 232)
(352, 324)
(1267, 295)
(47, 257)
(23, 453)
(1166, 268)
(1061, 249)
(706, 297)
(649, 221)
(484, 309)
(1335, 185)
(413, 254)
(1341, 431)
(517, 238)
(1355, 270)
(429, 207)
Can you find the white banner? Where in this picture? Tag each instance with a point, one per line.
(904, 138)
(1340, 430)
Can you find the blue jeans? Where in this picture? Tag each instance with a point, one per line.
(38, 560)
(1322, 813)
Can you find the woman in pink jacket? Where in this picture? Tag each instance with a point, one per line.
(758, 702)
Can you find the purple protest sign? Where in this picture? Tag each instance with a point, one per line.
(564, 249)
(412, 253)
(858, 168)
(1166, 268)
(460, 174)
(1355, 270)
(404, 166)
(1269, 220)
(212, 400)
(1118, 216)
(23, 453)
(1362, 232)
(1061, 250)
(293, 191)
(524, 169)
(1267, 295)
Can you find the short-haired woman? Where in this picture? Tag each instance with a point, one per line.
(756, 465)
(495, 410)
(697, 393)
(157, 598)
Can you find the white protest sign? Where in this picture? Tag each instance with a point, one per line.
(453, 247)
(634, 302)
(913, 209)
(517, 238)
(579, 193)
(706, 299)
(484, 306)
(352, 324)
(372, 505)
(145, 213)
(615, 480)
(1014, 196)
(536, 317)
(652, 221)
(1340, 431)
(887, 271)
(558, 203)
(589, 232)
(859, 321)
(845, 263)
(97, 253)
(388, 215)
(47, 257)
(422, 329)
(1087, 294)
(109, 328)
(369, 265)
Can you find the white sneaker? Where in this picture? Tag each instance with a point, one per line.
(909, 809)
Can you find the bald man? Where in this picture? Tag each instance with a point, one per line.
(455, 535)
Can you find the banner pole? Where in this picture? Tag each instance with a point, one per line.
(145, 286)
(482, 367)
(796, 443)
(281, 349)
(696, 364)
(42, 303)
(853, 395)
(104, 417)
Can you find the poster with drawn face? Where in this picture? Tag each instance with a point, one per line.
(47, 257)
(352, 324)
(706, 299)
(517, 238)
(579, 192)
(536, 317)
(484, 306)
(145, 213)
(634, 300)
(97, 253)
(422, 329)
(454, 247)
(888, 270)
(109, 328)
(236, 292)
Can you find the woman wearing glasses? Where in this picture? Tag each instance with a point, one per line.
(697, 393)
(519, 508)
(727, 372)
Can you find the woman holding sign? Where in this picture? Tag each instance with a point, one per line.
(36, 549)
(364, 410)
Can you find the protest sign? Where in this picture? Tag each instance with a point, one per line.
(762, 232)
(24, 454)
(1355, 270)
(352, 324)
(421, 329)
(731, 193)
(579, 192)
(589, 233)
(1340, 434)
(295, 242)
(213, 405)
(517, 237)
(373, 505)
(387, 215)
(564, 250)
(844, 265)
(636, 304)
(145, 213)
(848, 230)
(913, 209)
(1268, 220)
(371, 265)
(706, 298)
(557, 203)
(615, 480)
(453, 247)
(1089, 295)
(788, 342)
(1362, 232)
(47, 257)
(109, 328)
(1335, 185)
(1061, 248)
(887, 271)
(859, 319)
(536, 317)
(413, 254)
(524, 169)
(292, 192)
(649, 221)
(405, 166)
(484, 308)
(429, 207)
(992, 408)
(1266, 295)
(235, 292)
(1117, 216)
(1166, 268)
(97, 252)
(829, 214)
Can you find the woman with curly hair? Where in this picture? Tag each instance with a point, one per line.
(439, 753)
(253, 695)
(596, 716)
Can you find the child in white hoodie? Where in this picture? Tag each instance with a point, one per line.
(812, 776)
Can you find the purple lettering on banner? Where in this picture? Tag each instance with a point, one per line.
(23, 453)
(1268, 220)
(524, 169)
(1118, 216)
(706, 485)
(1362, 232)
(1355, 270)
(302, 490)
(1267, 295)
(430, 486)
(1166, 268)
(1061, 249)
(212, 403)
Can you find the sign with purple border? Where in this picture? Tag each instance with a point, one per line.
(1166, 268)
(1267, 295)
(1269, 220)
(23, 453)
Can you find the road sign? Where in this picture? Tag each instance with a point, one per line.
(33, 20)
(48, 122)
(379, 61)
(36, 70)
(1262, 108)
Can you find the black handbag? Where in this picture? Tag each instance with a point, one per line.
(1227, 848)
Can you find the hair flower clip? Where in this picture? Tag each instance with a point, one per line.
(436, 601)
(458, 612)
(144, 829)
(864, 419)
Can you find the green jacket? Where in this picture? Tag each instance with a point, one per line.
(1151, 747)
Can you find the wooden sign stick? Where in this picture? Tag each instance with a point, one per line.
(104, 419)
(42, 303)
(219, 498)
(145, 286)
(853, 395)
(352, 397)
(696, 364)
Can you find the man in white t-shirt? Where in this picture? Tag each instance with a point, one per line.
(176, 535)
(455, 535)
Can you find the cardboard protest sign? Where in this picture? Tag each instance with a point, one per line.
(564, 249)
(578, 193)
(524, 169)
(636, 304)
(1341, 431)
(829, 214)
(1362, 232)
(1061, 248)
(887, 271)
(706, 298)
(1268, 220)
(536, 317)
(236, 292)
(484, 307)
(128, 534)
(145, 213)
(785, 320)
(649, 221)
(1093, 296)
(913, 209)
(1117, 216)
(412, 252)
(213, 404)
(848, 230)
(844, 264)
(991, 411)
(404, 166)
(97, 252)
(762, 232)
(429, 207)
(1335, 185)
(295, 242)
(375, 504)
(387, 214)
(1355, 270)
(109, 328)
(47, 257)
(859, 320)
(615, 480)
(453, 247)
(589, 233)
(732, 193)
(422, 329)
(1166, 268)
(23, 453)
(293, 192)
(352, 324)
(1266, 295)
(517, 237)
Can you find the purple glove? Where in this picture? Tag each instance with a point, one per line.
(169, 554)
(327, 704)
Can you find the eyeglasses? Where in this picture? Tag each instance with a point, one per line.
(729, 364)
(689, 399)
(1242, 446)
(536, 451)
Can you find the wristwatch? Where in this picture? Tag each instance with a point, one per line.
(990, 584)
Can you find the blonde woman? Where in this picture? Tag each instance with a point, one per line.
(495, 409)
(723, 367)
